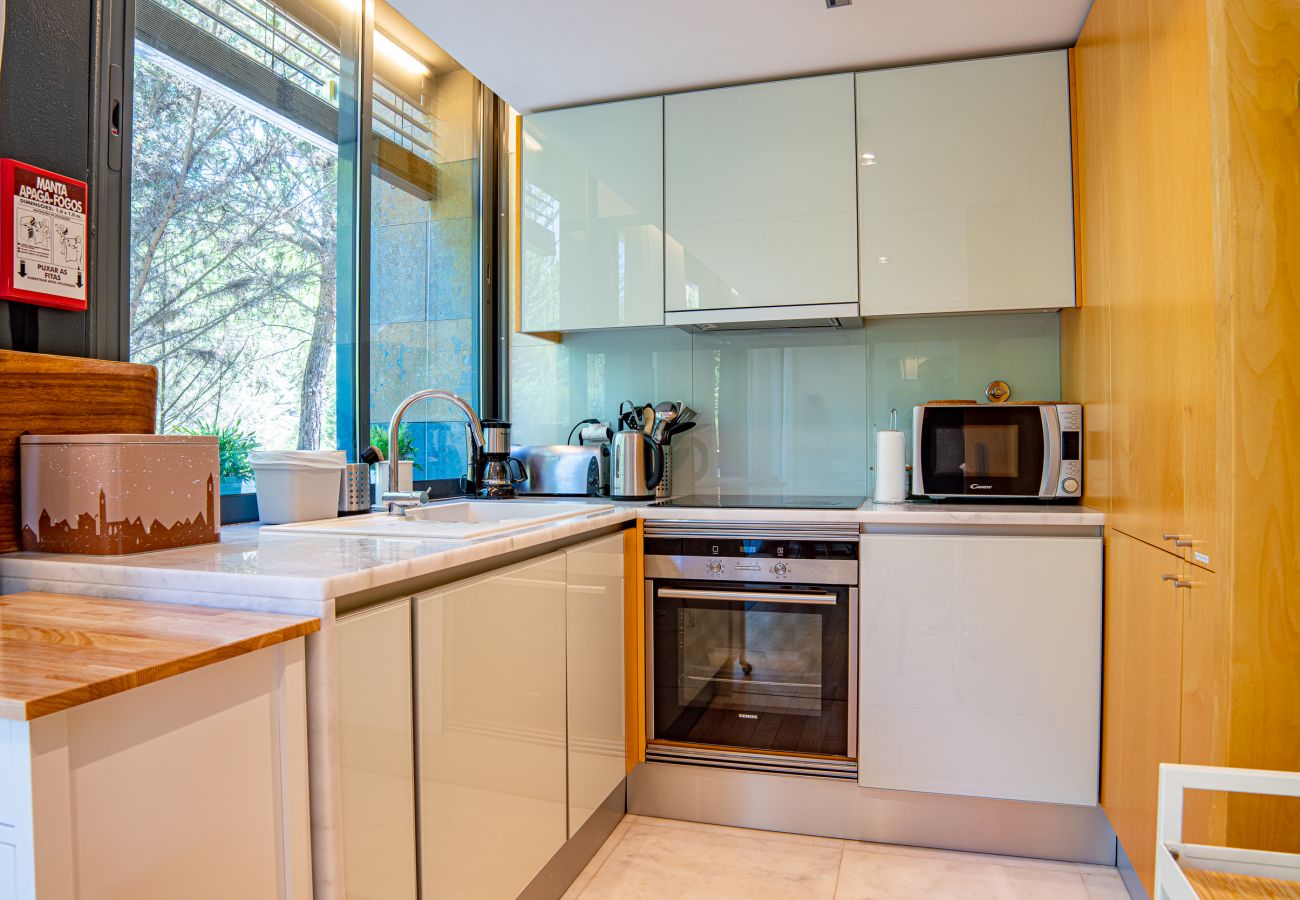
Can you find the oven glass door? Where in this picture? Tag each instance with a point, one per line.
(982, 451)
(752, 667)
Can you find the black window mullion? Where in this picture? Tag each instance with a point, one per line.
(355, 159)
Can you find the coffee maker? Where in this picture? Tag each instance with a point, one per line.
(495, 468)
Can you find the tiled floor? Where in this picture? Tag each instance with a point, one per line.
(669, 860)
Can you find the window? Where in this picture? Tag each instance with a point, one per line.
(424, 244)
(243, 278)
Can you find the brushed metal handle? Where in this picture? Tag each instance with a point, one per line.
(750, 596)
(1177, 582)
(1180, 540)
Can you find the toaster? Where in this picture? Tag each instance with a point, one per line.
(564, 470)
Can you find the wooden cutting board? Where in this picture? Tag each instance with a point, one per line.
(43, 394)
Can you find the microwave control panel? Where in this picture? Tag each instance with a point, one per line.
(1070, 417)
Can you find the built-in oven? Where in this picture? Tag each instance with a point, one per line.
(751, 659)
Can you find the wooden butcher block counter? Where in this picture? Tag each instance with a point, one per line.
(59, 651)
(152, 750)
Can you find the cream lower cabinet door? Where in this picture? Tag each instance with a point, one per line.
(192, 787)
(965, 192)
(490, 689)
(759, 204)
(980, 666)
(593, 216)
(594, 623)
(377, 752)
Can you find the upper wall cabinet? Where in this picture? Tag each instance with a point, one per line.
(759, 198)
(965, 195)
(592, 198)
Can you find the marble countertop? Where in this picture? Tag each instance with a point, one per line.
(307, 569)
(57, 651)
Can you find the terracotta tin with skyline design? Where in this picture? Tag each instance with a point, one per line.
(110, 494)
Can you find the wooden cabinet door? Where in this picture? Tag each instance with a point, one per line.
(1161, 281)
(1142, 693)
(491, 730)
(964, 200)
(759, 198)
(378, 765)
(593, 215)
(594, 652)
(1203, 729)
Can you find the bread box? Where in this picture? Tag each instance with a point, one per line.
(110, 494)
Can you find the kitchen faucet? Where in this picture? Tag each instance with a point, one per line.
(398, 500)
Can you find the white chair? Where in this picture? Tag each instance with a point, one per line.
(1174, 858)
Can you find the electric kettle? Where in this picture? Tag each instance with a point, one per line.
(636, 464)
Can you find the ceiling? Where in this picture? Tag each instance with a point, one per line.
(541, 54)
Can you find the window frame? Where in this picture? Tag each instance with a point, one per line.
(111, 230)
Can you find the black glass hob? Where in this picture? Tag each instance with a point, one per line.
(762, 501)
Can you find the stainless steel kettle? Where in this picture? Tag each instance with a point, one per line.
(636, 464)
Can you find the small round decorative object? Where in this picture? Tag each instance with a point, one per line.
(998, 392)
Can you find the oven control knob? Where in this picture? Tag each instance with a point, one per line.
(779, 568)
(1070, 485)
(715, 567)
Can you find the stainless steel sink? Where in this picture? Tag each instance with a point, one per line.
(452, 520)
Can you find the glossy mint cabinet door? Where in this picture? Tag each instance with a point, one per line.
(965, 191)
(593, 214)
(980, 666)
(759, 204)
(594, 624)
(377, 762)
(491, 730)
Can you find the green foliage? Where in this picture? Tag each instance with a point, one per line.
(234, 444)
(233, 254)
(405, 444)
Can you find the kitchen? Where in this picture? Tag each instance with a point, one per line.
(864, 441)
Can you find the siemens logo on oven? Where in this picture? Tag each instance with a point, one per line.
(746, 715)
(981, 487)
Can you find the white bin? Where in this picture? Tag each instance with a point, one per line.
(297, 485)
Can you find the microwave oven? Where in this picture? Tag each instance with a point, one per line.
(1004, 450)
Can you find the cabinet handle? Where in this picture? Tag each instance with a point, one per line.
(1176, 581)
(1178, 539)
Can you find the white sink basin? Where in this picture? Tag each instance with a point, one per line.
(454, 520)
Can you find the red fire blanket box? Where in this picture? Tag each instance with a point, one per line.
(44, 232)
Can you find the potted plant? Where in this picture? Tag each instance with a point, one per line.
(406, 450)
(234, 445)
(405, 443)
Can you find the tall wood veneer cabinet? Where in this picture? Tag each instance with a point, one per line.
(1184, 352)
(964, 200)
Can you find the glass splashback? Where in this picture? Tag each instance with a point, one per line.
(780, 411)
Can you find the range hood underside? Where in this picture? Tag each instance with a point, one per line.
(823, 315)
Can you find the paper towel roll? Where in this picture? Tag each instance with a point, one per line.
(594, 434)
(891, 467)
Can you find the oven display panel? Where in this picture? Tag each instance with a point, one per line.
(751, 549)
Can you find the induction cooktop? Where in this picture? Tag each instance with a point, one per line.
(762, 501)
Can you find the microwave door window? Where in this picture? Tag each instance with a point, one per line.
(992, 451)
(982, 451)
